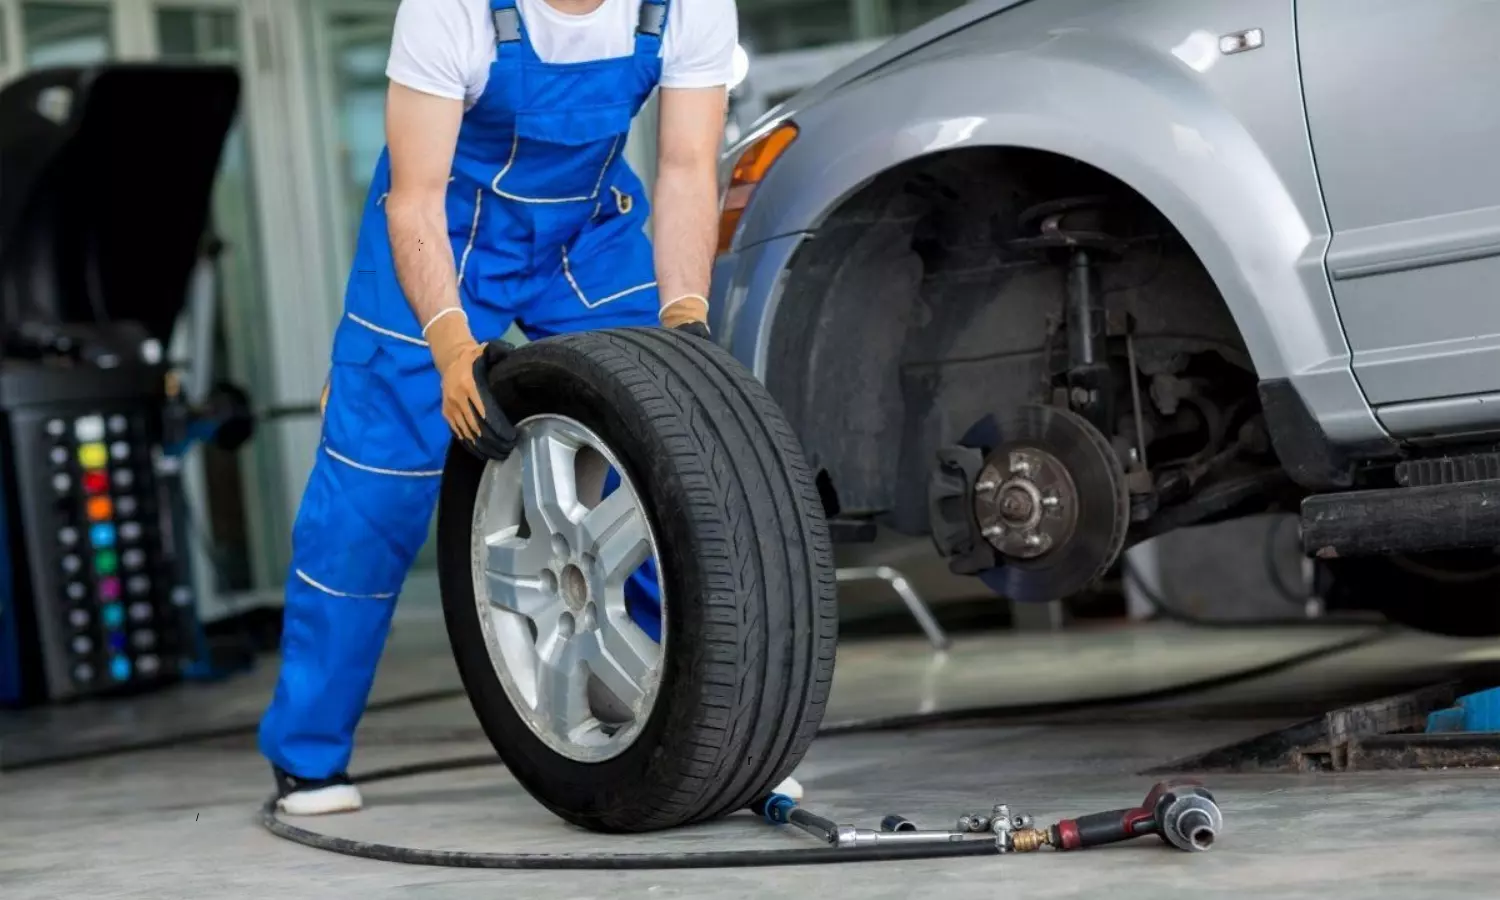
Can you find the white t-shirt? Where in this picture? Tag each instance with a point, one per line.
(445, 47)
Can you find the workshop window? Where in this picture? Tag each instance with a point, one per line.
(66, 34)
(777, 26)
(203, 36)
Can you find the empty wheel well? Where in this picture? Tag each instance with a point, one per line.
(905, 318)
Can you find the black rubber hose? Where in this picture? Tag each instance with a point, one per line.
(713, 859)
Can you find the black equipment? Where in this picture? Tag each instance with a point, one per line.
(106, 176)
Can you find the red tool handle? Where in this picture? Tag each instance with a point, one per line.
(1101, 828)
(1116, 825)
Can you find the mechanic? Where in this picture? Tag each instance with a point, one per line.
(502, 196)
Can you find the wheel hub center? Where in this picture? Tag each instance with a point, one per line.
(1025, 503)
(1018, 500)
(575, 588)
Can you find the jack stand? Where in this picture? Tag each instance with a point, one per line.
(914, 603)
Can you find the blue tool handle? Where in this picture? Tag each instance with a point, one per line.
(776, 808)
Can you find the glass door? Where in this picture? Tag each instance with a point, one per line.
(351, 40)
(231, 487)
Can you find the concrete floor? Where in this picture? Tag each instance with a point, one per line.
(180, 822)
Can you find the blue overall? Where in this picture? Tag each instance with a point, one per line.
(546, 220)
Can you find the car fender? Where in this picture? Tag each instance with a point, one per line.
(1218, 143)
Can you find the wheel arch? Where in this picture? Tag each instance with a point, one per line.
(1236, 181)
(1236, 184)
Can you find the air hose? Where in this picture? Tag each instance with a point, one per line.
(711, 859)
(724, 859)
(717, 859)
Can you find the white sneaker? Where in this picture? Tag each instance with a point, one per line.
(791, 788)
(301, 797)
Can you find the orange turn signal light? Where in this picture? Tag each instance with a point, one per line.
(751, 167)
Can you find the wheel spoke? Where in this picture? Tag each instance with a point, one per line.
(623, 659)
(528, 597)
(562, 689)
(514, 557)
(549, 487)
(616, 535)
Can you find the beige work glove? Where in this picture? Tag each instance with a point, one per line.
(688, 314)
(454, 352)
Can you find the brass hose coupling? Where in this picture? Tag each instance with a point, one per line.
(1027, 840)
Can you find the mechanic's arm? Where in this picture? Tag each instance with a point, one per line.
(691, 134)
(422, 132)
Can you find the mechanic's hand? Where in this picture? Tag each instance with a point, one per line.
(696, 329)
(454, 352)
(688, 314)
(497, 436)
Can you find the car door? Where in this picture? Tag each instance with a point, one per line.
(1405, 125)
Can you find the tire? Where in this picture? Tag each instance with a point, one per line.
(748, 658)
(1455, 594)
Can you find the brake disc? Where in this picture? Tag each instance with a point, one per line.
(1050, 499)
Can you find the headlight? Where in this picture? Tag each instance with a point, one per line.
(749, 169)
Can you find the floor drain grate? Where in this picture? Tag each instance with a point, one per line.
(1384, 734)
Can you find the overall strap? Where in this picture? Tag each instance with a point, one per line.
(650, 27)
(510, 30)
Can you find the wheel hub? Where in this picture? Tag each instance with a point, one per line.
(1025, 502)
(575, 588)
(552, 554)
(1032, 500)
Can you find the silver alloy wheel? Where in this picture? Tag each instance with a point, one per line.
(550, 560)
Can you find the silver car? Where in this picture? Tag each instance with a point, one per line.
(1042, 279)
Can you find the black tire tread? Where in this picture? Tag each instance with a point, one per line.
(781, 460)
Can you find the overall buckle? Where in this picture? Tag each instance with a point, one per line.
(623, 201)
(507, 25)
(653, 18)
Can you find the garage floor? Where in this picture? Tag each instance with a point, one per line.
(180, 822)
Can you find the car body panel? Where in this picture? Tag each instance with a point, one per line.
(1405, 127)
(891, 51)
(743, 283)
(1141, 91)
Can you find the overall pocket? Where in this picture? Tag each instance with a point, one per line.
(562, 155)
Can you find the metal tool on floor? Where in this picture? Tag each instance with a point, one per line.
(1182, 812)
(783, 810)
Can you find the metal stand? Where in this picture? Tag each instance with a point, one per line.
(914, 602)
(192, 351)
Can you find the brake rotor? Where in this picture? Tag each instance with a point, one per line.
(1050, 499)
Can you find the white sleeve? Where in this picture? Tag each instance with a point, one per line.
(700, 42)
(430, 47)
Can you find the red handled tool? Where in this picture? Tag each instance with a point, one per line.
(1182, 812)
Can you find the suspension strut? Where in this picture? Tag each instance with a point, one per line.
(1070, 231)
